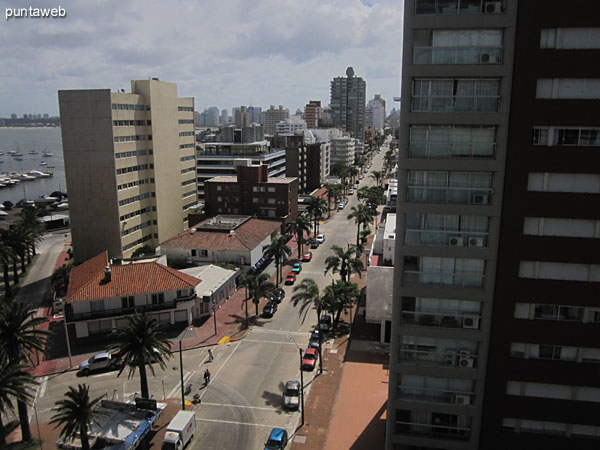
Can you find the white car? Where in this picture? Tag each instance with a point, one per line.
(350, 191)
(321, 238)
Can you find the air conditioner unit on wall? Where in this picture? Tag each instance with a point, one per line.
(492, 7)
(471, 322)
(465, 361)
(461, 399)
(485, 58)
(476, 242)
(479, 199)
(450, 358)
(455, 241)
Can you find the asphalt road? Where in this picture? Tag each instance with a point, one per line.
(243, 400)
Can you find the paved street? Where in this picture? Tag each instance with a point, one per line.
(243, 400)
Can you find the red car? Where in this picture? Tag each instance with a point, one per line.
(307, 257)
(309, 360)
(290, 279)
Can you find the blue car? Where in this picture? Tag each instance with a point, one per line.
(277, 439)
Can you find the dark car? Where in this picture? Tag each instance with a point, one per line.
(314, 244)
(278, 295)
(325, 323)
(270, 309)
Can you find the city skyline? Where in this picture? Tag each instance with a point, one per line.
(233, 54)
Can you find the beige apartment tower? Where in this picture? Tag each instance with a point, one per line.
(130, 166)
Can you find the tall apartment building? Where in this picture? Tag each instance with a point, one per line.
(313, 113)
(302, 161)
(130, 166)
(241, 117)
(497, 266)
(273, 116)
(542, 388)
(224, 117)
(291, 125)
(212, 116)
(342, 152)
(348, 103)
(255, 114)
(375, 113)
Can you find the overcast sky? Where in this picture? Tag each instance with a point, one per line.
(224, 53)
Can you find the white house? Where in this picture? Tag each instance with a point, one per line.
(101, 295)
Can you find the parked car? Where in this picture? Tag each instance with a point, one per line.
(297, 268)
(361, 177)
(341, 206)
(309, 360)
(307, 257)
(100, 361)
(290, 279)
(278, 295)
(277, 439)
(355, 185)
(321, 238)
(350, 191)
(325, 323)
(314, 244)
(270, 309)
(291, 395)
(314, 339)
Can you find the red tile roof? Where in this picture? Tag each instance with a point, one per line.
(86, 280)
(245, 237)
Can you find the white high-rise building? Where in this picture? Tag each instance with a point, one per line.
(375, 113)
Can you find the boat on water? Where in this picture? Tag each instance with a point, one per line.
(33, 152)
(39, 174)
(62, 206)
(25, 177)
(48, 166)
(17, 154)
(47, 154)
(12, 152)
(18, 158)
(43, 163)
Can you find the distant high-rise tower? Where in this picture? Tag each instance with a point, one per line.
(375, 113)
(130, 163)
(212, 116)
(241, 117)
(255, 113)
(224, 119)
(348, 103)
(312, 113)
(273, 116)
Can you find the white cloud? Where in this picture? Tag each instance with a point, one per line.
(222, 52)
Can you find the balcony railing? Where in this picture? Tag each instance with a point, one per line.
(442, 320)
(457, 55)
(454, 279)
(450, 238)
(459, 150)
(464, 195)
(435, 395)
(106, 313)
(445, 431)
(463, 359)
(455, 103)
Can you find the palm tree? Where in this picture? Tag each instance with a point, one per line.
(142, 340)
(344, 262)
(279, 249)
(341, 295)
(307, 293)
(298, 228)
(259, 287)
(6, 256)
(330, 194)
(362, 215)
(20, 237)
(353, 172)
(14, 383)
(60, 279)
(30, 221)
(377, 175)
(315, 208)
(20, 340)
(76, 413)
(16, 244)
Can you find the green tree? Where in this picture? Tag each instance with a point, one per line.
(344, 262)
(244, 281)
(259, 287)
(362, 216)
(36, 229)
(298, 228)
(145, 250)
(279, 249)
(340, 295)
(20, 339)
(377, 175)
(76, 414)
(141, 341)
(60, 279)
(14, 384)
(316, 207)
(6, 257)
(353, 172)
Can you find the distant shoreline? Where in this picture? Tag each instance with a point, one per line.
(26, 128)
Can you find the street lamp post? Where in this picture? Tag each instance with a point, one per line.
(301, 379)
(214, 308)
(67, 338)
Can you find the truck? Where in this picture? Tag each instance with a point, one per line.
(180, 431)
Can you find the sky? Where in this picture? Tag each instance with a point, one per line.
(224, 53)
